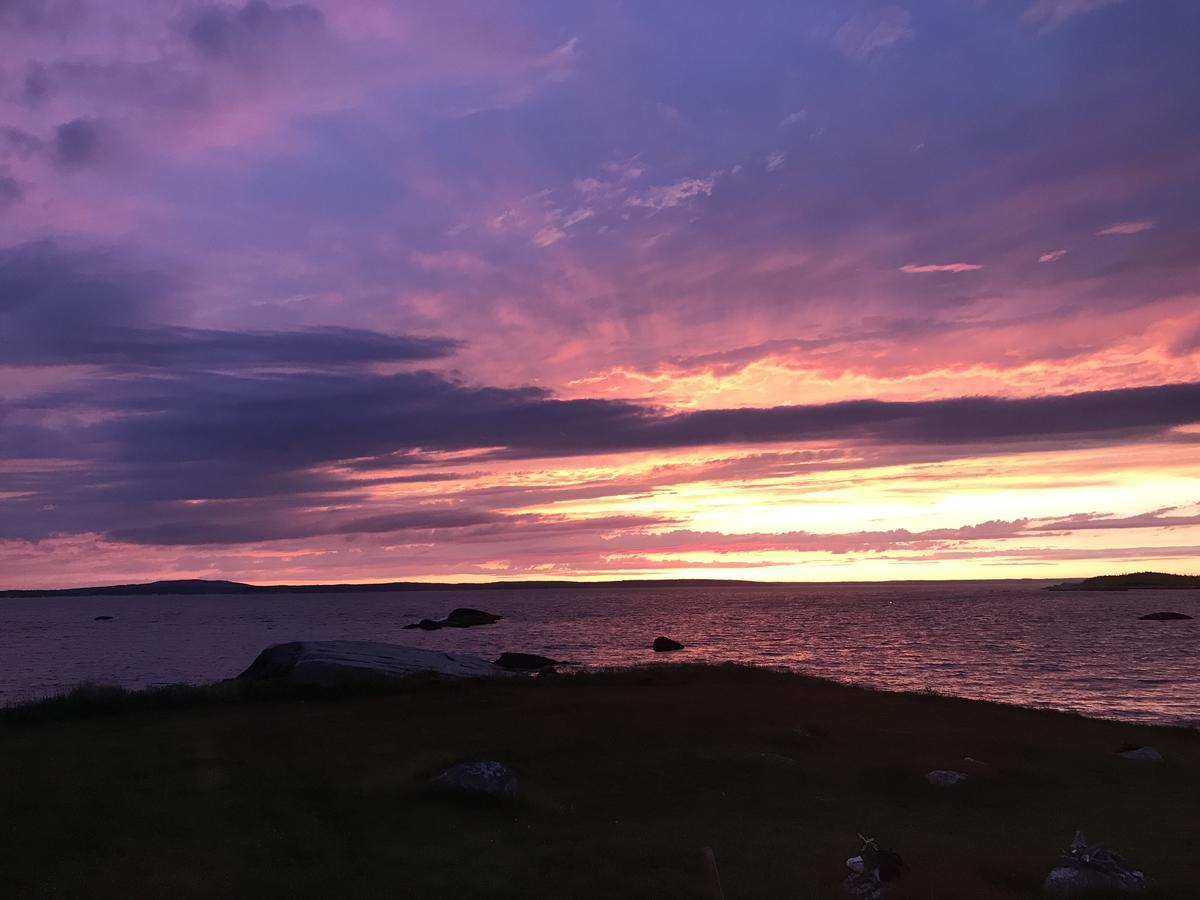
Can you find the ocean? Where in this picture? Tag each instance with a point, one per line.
(1007, 641)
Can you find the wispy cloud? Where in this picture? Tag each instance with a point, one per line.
(668, 196)
(1049, 14)
(914, 269)
(1127, 227)
(775, 160)
(794, 118)
(864, 34)
(560, 62)
(1052, 255)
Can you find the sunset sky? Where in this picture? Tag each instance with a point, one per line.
(359, 290)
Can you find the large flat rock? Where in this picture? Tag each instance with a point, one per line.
(320, 660)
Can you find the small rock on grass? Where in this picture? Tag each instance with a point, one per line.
(945, 777)
(1139, 753)
(485, 778)
(873, 871)
(1084, 870)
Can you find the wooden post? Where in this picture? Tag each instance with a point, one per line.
(713, 876)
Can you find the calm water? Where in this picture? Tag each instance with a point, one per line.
(1006, 641)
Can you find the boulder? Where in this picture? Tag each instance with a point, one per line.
(945, 777)
(1139, 754)
(523, 661)
(665, 645)
(1084, 870)
(1163, 617)
(329, 660)
(463, 617)
(486, 778)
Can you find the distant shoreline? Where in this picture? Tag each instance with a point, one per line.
(191, 587)
(200, 586)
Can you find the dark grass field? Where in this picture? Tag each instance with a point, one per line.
(243, 790)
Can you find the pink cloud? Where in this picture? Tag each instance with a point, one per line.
(668, 196)
(1052, 255)
(1128, 227)
(912, 268)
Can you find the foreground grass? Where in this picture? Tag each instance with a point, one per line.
(271, 790)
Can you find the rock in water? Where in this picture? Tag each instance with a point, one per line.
(424, 625)
(665, 645)
(102, 619)
(1084, 870)
(328, 660)
(463, 617)
(485, 778)
(525, 661)
(1163, 617)
(945, 777)
(1140, 754)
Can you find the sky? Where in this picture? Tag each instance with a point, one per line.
(473, 291)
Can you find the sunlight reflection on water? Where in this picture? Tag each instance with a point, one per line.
(1008, 641)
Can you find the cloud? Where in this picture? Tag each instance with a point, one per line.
(538, 218)
(225, 525)
(62, 307)
(793, 118)
(10, 191)
(1052, 256)
(866, 33)
(77, 142)
(580, 215)
(36, 14)
(222, 31)
(669, 196)
(775, 160)
(912, 268)
(243, 420)
(36, 86)
(1157, 518)
(560, 62)
(192, 435)
(1127, 227)
(458, 262)
(557, 226)
(1049, 14)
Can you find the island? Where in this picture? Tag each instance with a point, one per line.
(1132, 581)
(202, 586)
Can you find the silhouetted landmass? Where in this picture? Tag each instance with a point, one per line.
(272, 788)
(1132, 581)
(192, 586)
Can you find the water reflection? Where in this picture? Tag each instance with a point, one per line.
(1005, 641)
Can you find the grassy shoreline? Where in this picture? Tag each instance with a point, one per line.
(273, 788)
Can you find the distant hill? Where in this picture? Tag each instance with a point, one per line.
(192, 586)
(1133, 581)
